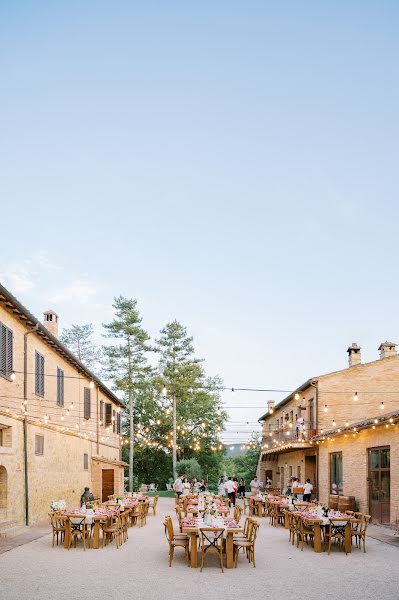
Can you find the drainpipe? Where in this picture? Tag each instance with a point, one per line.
(35, 328)
(317, 431)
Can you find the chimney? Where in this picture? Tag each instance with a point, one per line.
(270, 406)
(387, 349)
(50, 321)
(355, 357)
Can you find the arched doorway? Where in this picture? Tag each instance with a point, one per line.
(3, 487)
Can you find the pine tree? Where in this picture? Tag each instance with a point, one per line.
(197, 416)
(78, 338)
(126, 360)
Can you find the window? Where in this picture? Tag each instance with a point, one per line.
(118, 423)
(5, 436)
(108, 414)
(39, 445)
(290, 471)
(60, 387)
(87, 404)
(85, 461)
(6, 351)
(336, 474)
(101, 412)
(39, 374)
(298, 473)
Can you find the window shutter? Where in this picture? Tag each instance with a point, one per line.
(108, 414)
(9, 351)
(113, 421)
(60, 387)
(39, 445)
(87, 404)
(39, 374)
(102, 412)
(85, 461)
(3, 350)
(118, 418)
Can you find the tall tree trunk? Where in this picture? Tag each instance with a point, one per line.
(174, 450)
(131, 445)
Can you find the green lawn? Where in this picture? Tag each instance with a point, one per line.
(162, 494)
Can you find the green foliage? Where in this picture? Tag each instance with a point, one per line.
(78, 338)
(244, 465)
(190, 468)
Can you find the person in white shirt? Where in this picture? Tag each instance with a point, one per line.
(221, 486)
(178, 486)
(255, 485)
(230, 487)
(307, 491)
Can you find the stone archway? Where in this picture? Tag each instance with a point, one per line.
(3, 487)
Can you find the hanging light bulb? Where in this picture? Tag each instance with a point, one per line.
(71, 406)
(333, 423)
(355, 397)
(13, 376)
(164, 391)
(296, 396)
(382, 406)
(325, 408)
(91, 385)
(375, 420)
(347, 423)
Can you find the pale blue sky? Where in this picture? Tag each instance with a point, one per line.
(232, 165)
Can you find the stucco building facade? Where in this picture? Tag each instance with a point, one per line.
(60, 426)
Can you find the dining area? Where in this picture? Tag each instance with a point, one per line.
(95, 524)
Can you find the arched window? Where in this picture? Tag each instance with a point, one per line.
(3, 487)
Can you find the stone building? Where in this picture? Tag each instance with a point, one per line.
(59, 424)
(341, 431)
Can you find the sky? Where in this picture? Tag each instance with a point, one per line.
(231, 165)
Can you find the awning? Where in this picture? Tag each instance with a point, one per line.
(110, 461)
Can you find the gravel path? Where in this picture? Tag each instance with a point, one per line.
(140, 569)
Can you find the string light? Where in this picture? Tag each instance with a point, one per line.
(13, 376)
(91, 385)
(164, 391)
(382, 406)
(325, 408)
(355, 397)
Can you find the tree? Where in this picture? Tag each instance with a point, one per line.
(197, 416)
(127, 360)
(78, 338)
(190, 468)
(244, 465)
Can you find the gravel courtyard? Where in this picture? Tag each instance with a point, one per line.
(140, 569)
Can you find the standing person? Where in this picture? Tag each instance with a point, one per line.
(196, 486)
(203, 486)
(268, 482)
(178, 486)
(255, 486)
(186, 487)
(235, 481)
(307, 491)
(221, 486)
(241, 488)
(230, 487)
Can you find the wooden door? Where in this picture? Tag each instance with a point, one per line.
(379, 484)
(107, 483)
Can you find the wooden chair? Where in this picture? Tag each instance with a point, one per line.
(304, 530)
(247, 505)
(211, 541)
(360, 532)
(142, 517)
(336, 531)
(247, 544)
(134, 515)
(175, 541)
(153, 505)
(237, 513)
(112, 530)
(125, 525)
(58, 526)
(79, 529)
